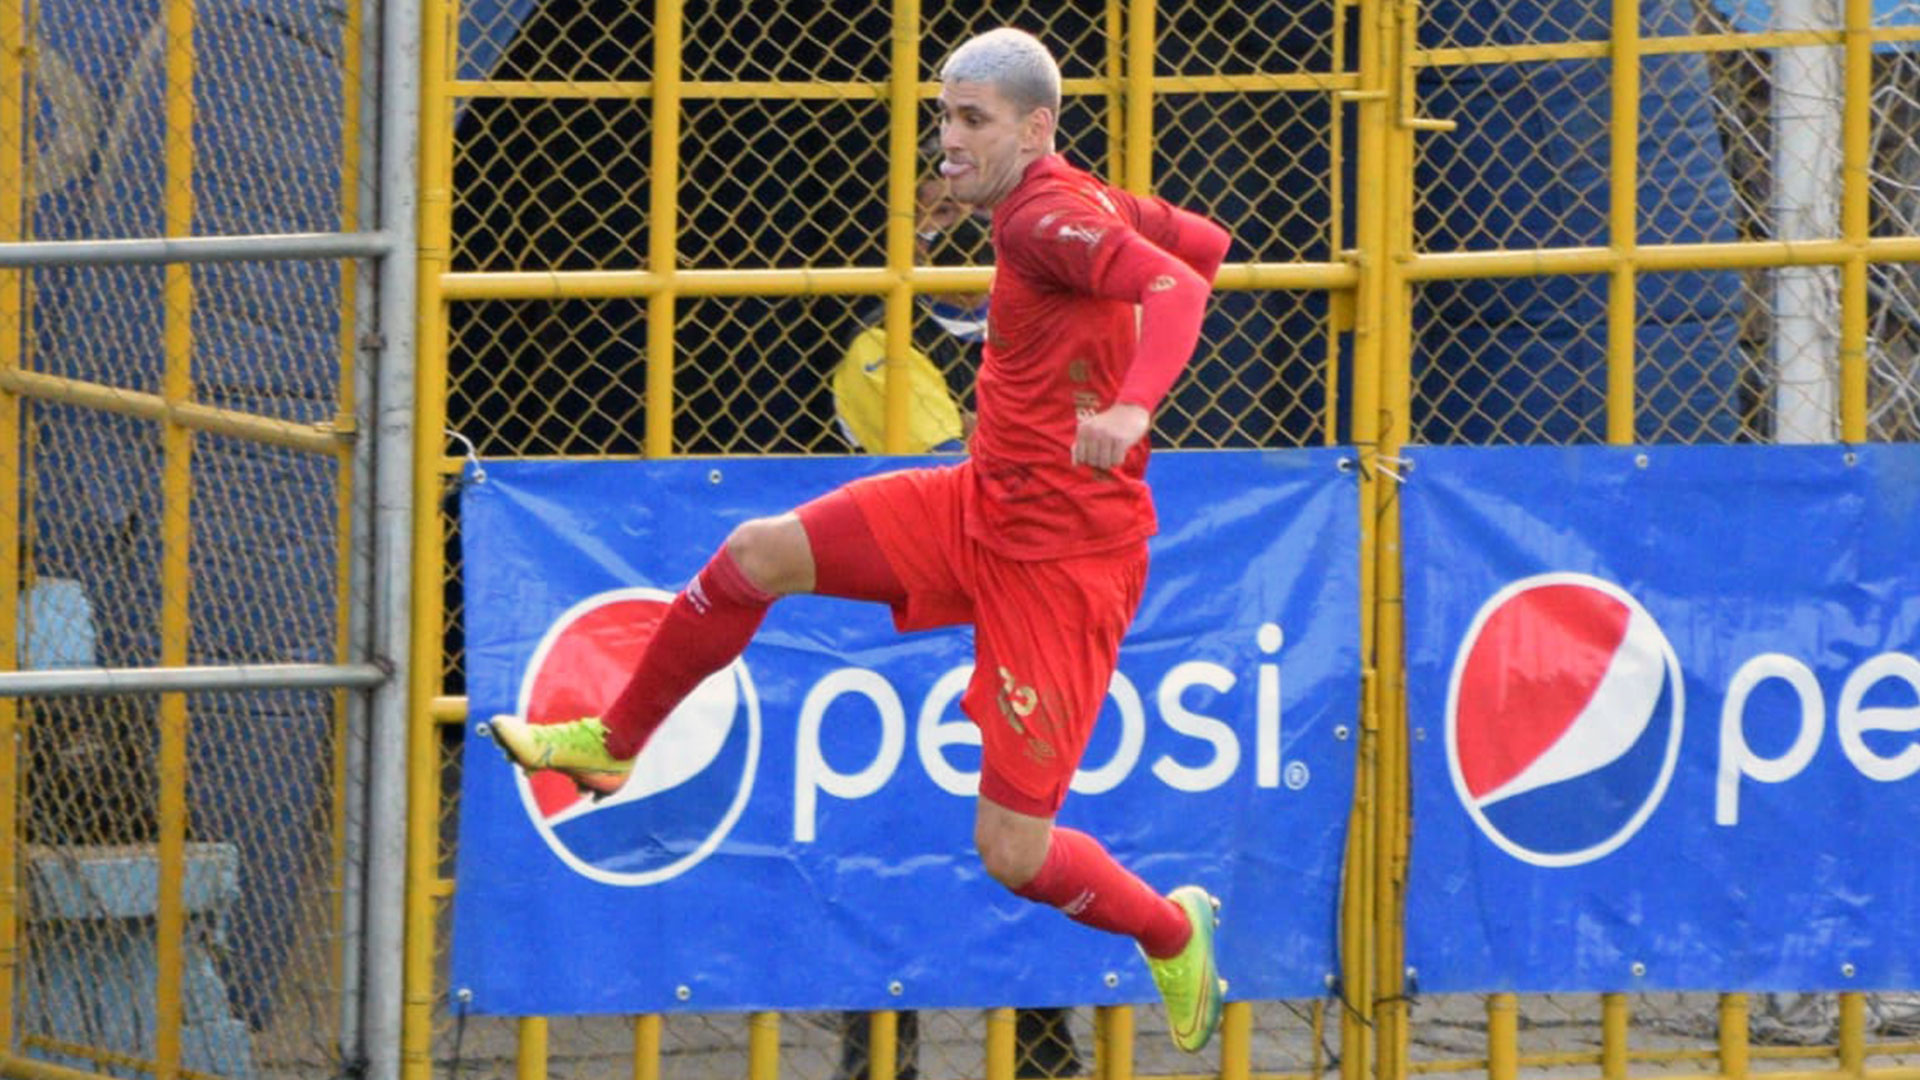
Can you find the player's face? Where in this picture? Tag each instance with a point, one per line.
(987, 142)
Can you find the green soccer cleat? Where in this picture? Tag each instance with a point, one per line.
(1188, 981)
(576, 749)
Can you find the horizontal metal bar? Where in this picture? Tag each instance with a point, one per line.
(1656, 258)
(67, 682)
(1548, 51)
(16, 1067)
(641, 90)
(195, 249)
(825, 281)
(314, 438)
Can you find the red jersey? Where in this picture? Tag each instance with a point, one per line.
(1072, 258)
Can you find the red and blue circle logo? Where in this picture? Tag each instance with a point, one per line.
(1564, 717)
(691, 782)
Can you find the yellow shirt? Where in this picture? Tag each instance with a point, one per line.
(860, 398)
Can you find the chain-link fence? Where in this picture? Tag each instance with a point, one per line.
(187, 290)
(1253, 113)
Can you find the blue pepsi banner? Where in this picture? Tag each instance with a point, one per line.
(1663, 704)
(798, 834)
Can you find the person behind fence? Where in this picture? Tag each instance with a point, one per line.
(1037, 539)
(947, 333)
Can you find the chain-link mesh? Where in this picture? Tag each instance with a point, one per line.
(782, 164)
(180, 452)
(1729, 145)
(261, 886)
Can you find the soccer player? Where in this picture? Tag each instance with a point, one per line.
(1038, 539)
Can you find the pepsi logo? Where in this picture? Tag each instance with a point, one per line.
(1564, 717)
(691, 782)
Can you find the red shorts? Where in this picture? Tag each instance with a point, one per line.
(1046, 633)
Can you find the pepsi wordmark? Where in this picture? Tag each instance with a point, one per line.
(1672, 754)
(939, 725)
(1853, 723)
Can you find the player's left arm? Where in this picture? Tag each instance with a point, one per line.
(1172, 292)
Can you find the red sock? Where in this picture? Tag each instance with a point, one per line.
(1082, 880)
(708, 624)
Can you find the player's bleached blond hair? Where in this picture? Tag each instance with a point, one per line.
(1013, 62)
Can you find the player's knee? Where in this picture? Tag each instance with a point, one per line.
(1010, 859)
(773, 554)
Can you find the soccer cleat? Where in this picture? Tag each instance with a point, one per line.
(576, 749)
(1188, 981)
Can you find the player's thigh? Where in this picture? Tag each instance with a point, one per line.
(1047, 639)
(917, 521)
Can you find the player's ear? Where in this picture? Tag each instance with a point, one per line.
(1037, 130)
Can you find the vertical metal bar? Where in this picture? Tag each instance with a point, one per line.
(1359, 941)
(1138, 145)
(434, 246)
(1614, 1020)
(1856, 164)
(903, 179)
(176, 484)
(1853, 1033)
(1116, 73)
(663, 225)
(530, 1059)
(1394, 313)
(1236, 1041)
(646, 1047)
(1113, 1042)
(763, 1047)
(1503, 1037)
(1338, 303)
(391, 821)
(1806, 113)
(1733, 1036)
(883, 1044)
(353, 562)
(1000, 1043)
(13, 216)
(1623, 192)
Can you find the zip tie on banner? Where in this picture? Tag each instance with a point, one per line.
(472, 455)
(1386, 462)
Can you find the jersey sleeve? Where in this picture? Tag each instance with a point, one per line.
(1093, 246)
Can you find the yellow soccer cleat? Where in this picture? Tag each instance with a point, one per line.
(1189, 982)
(576, 749)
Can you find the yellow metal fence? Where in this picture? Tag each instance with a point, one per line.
(650, 229)
(177, 460)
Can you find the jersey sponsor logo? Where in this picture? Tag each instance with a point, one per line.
(1564, 718)
(690, 784)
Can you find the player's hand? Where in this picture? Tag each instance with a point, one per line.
(1105, 437)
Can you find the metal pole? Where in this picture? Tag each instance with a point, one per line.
(1623, 149)
(1856, 159)
(60, 682)
(663, 225)
(195, 249)
(433, 125)
(359, 193)
(176, 545)
(393, 523)
(1806, 139)
(13, 331)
